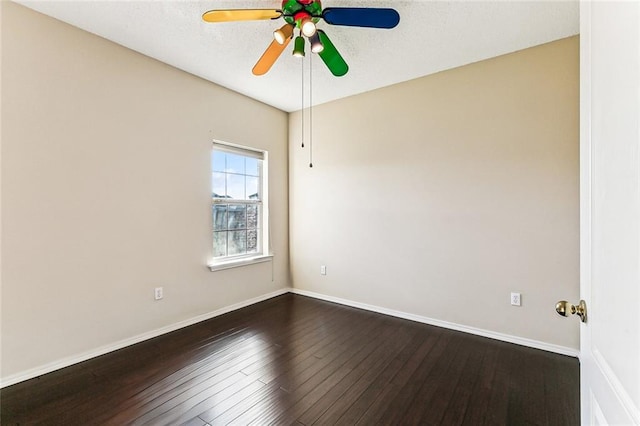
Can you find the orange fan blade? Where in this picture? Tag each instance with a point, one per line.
(240, 15)
(269, 57)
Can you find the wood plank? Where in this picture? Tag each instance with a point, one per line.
(359, 380)
(450, 400)
(498, 406)
(368, 397)
(313, 371)
(391, 390)
(480, 392)
(439, 355)
(370, 356)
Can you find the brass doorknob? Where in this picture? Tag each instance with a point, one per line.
(565, 308)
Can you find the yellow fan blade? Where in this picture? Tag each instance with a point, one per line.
(269, 57)
(240, 15)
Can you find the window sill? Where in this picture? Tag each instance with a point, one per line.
(219, 266)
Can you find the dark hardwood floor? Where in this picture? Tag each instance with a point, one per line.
(296, 360)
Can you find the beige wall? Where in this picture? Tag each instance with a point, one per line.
(439, 196)
(436, 197)
(105, 192)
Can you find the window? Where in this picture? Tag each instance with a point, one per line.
(239, 204)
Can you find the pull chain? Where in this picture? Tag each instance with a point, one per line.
(310, 111)
(302, 109)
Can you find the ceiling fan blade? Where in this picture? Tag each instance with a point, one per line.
(370, 17)
(331, 57)
(240, 15)
(269, 57)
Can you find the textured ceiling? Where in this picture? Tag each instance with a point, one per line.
(432, 36)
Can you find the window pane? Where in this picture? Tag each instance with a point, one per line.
(252, 166)
(252, 216)
(235, 164)
(218, 185)
(219, 244)
(237, 242)
(235, 186)
(252, 241)
(237, 217)
(252, 188)
(218, 161)
(219, 217)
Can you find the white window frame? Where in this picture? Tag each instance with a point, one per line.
(264, 254)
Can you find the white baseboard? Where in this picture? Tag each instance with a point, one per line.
(66, 362)
(445, 324)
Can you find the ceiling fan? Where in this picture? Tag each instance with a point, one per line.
(304, 15)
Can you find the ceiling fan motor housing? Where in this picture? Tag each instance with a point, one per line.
(294, 11)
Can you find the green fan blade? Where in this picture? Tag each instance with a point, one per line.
(332, 57)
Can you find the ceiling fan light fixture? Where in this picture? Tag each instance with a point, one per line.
(282, 34)
(298, 47)
(316, 44)
(307, 27)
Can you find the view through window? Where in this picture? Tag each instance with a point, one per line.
(237, 201)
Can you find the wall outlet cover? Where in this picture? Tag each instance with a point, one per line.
(516, 299)
(158, 293)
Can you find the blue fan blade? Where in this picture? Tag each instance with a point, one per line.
(370, 17)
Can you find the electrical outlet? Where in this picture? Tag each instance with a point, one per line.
(158, 293)
(323, 270)
(515, 299)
